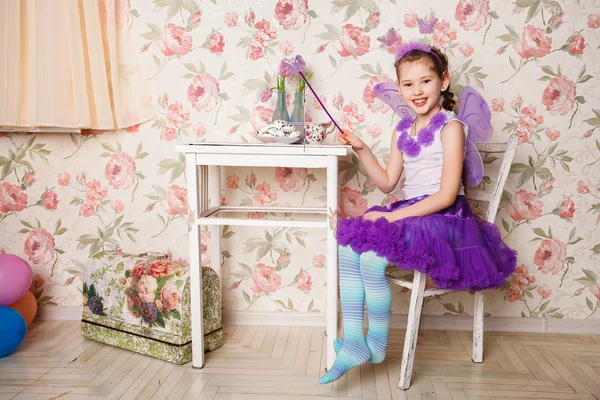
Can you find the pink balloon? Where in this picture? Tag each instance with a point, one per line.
(15, 278)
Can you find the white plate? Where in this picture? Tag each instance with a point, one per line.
(279, 140)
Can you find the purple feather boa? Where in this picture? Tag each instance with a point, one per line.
(411, 147)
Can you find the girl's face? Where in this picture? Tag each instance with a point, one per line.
(421, 87)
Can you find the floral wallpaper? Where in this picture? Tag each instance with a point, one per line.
(209, 66)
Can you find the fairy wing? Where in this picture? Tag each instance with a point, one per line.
(475, 113)
(388, 93)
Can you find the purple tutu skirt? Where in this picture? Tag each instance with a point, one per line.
(456, 248)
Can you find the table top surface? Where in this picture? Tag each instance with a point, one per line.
(263, 148)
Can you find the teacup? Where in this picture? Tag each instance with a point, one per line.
(316, 132)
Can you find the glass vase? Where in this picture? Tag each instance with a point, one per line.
(281, 111)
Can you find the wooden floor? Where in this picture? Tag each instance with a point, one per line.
(273, 363)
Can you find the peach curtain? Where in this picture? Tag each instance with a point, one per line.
(71, 64)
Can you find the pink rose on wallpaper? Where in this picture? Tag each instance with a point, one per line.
(199, 129)
(304, 281)
(544, 291)
(583, 186)
(374, 131)
(260, 116)
(576, 45)
(64, 178)
(175, 41)
(547, 186)
(117, 206)
(291, 13)
(513, 295)
(133, 128)
(593, 21)
(146, 287)
(352, 117)
(521, 278)
(595, 289)
(466, 49)
(264, 195)
(203, 91)
(353, 41)
(216, 43)
(533, 43)
(567, 209)
(497, 104)
(231, 19)
(291, 179)
(286, 47)
(525, 205)
(373, 102)
(374, 19)
(176, 201)
(351, 203)
(284, 260)
(550, 256)
(195, 19)
(205, 249)
(553, 133)
(39, 246)
(556, 20)
(12, 198)
(29, 177)
(168, 133)
(410, 20)
(170, 295)
(177, 117)
(472, 14)
(233, 181)
(119, 171)
(318, 261)
(265, 279)
(559, 96)
(87, 210)
(50, 200)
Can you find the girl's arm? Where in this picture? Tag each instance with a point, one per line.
(385, 179)
(453, 141)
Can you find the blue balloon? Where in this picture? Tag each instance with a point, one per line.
(12, 330)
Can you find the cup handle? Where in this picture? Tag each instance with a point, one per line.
(332, 126)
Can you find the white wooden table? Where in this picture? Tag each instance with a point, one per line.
(203, 168)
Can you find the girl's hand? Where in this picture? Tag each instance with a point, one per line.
(348, 138)
(373, 215)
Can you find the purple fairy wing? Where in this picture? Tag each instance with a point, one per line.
(475, 112)
(388, 93)
(472, 166)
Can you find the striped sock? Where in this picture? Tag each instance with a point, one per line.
(379, 303)
(354, 350)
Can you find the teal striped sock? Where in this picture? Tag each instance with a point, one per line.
(379, 303)
(354, 350)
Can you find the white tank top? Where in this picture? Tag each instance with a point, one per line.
(423, 173)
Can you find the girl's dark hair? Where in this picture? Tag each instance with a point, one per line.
(448, 101)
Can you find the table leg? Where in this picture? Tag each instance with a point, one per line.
(214, 200)
(332, 257)
(195, 271)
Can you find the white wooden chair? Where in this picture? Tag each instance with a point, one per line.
(490, 195)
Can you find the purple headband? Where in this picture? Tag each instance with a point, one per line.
(410, 46)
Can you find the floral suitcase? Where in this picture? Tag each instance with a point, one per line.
(142, 303)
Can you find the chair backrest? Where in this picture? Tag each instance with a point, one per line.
(493, 193)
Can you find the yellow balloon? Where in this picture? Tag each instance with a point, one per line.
(26, 306)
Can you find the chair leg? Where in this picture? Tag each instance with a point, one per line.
(412, 330)
(478, 328)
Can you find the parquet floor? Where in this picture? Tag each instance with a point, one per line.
(283, 363)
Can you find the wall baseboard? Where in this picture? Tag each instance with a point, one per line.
(428, 322)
